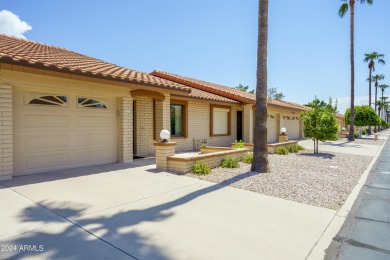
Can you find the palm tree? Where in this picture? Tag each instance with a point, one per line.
(350, 4)
(375, 79)
(383, 87)
(260, 153)
(371, 58)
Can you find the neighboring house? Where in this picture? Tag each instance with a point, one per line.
(239, 123)
(341, 122)
(60, 109)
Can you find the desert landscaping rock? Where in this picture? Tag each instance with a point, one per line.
(323, 180)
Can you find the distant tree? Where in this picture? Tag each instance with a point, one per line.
(321, 103)
(274, 94)
(364, 116)
(320, 122)
(375, 79)
(350, 5)
(371, 58)
(245, 88)
(383, 87)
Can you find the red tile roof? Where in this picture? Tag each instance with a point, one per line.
(27, 53)
(225, 91)
(340, 115)
(200, 94)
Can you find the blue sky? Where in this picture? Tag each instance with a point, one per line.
(217, 40)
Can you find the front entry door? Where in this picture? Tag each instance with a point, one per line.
(239, 125)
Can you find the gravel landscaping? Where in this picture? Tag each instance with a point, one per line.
(323, 180)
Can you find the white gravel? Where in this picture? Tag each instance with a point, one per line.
(323, 180)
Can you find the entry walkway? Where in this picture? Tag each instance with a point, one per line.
(366, 231)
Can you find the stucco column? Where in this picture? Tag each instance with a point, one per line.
(248, 124)
(126, 130)
(6, 132)
(300, 127)
(163, 150)
(163, 116)
(278, 122)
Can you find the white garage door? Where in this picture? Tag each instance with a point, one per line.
(291, 123)
(59, 131)
(271, 129)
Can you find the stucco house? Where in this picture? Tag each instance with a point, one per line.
(60, 109)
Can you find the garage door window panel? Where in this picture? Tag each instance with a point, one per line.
(90, 102)
(50, 100)
(220, 117)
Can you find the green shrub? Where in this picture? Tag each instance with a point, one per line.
(282, 151)
(200, 167)
(239, 144)
(229, 162)
(295, 148)
(292, 149)
(248, 158)
(365, 131)
(356, 136)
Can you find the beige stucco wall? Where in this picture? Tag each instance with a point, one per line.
(199, 127)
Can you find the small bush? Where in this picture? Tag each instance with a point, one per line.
(229, 162)
(239, 144)
(356, 136)
(365, 131)
(248, 158)
(295, 148)
(200, 167)
(292, 149)
(282, 151)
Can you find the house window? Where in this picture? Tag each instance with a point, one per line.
(178, 118)
(49, 100)
(220, 120)
(89, 102)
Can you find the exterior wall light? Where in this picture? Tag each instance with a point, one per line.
(283, 130)
(165, 134)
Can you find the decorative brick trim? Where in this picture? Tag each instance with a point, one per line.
(126, 130)
(6, 132)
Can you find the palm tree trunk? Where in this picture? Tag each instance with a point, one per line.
(369, 95)
(351, 136)
(376, 93)
(260, 153)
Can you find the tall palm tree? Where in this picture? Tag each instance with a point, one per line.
(260, 153)
(350, 4)
(375, 79)
(371, 58)
(383, 87)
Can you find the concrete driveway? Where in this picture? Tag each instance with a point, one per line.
(133, 211)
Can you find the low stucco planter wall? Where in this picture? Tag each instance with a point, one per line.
(212, 156)
(270, 147)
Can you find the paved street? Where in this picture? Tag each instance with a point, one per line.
(366, 231)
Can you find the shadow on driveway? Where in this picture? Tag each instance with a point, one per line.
(100, 236)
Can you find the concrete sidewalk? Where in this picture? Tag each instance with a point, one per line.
(136, 212)
(366, 232)
(113, 212)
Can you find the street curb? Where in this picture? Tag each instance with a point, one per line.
(318, 250)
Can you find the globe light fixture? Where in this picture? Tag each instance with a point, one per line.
(165, 134)
(283, 130)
